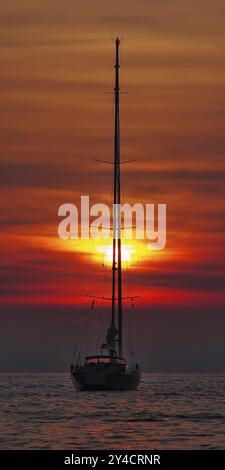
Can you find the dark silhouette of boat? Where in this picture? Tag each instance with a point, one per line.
(111, 371)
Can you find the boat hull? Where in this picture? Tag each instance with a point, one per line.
(101, 380)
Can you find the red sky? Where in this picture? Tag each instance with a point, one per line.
(56, 62)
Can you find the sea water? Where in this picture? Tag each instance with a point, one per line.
(168, 411)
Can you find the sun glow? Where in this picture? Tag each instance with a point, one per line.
(98, 250)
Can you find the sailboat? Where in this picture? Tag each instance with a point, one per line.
(110, 370)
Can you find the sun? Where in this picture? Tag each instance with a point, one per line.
(126, 253)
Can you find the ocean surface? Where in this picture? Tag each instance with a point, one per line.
(169, 411)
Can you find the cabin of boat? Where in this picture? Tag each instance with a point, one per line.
(105, 361)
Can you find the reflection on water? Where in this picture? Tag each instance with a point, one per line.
(43, 411)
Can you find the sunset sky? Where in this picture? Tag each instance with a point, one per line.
(56, 63)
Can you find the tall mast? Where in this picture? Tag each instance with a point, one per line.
(116, 102)
(117, 265)
(120, 309)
